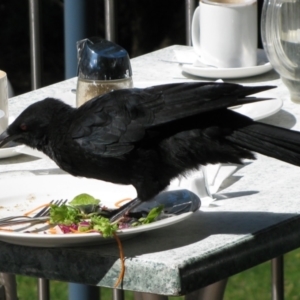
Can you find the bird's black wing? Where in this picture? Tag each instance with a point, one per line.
(112, 124)
(187, 99)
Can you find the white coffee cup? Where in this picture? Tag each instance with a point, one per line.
(3, 102)
(224, 33)
(3, 122)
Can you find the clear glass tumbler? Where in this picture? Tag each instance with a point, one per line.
(280, 30)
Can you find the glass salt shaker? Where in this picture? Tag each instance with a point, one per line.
(103, 66)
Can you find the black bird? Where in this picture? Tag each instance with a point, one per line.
(147, 137)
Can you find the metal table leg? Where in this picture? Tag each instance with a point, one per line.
(146, 296)
(43, 289)
(118, 294)
(214, 291)
(137, 296)
(10, 286)
(277, 278)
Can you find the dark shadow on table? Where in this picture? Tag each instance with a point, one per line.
(199, 227)
(282, 119)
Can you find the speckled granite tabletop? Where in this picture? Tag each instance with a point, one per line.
(255, 217)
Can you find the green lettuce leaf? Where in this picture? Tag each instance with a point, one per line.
(151, 217)
(64, 214)
(84, 199)
(104, 226)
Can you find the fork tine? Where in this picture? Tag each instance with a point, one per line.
(24, 220)
(41, 212)
(46, 210)
(42, 215)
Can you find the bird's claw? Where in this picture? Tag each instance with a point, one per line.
(120, 212)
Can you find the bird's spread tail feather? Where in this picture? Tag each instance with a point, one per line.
(269, 140)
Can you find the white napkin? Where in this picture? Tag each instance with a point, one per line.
(185, 56)
(191, 58)
(204, 182)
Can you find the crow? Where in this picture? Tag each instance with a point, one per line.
(147, 137)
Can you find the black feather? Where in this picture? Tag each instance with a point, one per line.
(147, 137)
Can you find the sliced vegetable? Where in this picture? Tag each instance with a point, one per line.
(64, 214)
(84, 199)
(104, 226)
(151, 217)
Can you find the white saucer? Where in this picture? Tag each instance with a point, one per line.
(263, 66)
(10, 152)
(260, 110)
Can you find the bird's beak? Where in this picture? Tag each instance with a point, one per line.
(6, 138)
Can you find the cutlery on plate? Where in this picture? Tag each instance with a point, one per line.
(42, 216)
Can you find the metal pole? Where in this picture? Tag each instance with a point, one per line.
(189, 11)
(43, 289)
(147, 296)
(10, 286)
(213, 291)
(110, 31)
(79, 291)
(35, 56)
(277, 278)
(74, 30)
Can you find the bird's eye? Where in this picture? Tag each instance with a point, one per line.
(23, 127)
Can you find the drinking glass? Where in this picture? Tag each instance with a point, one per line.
(280, 30)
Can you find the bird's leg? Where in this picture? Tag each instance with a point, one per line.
(120, 212)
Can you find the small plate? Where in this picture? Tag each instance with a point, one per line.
(263, 66)
(35, 191)
(260, 110)
(10, 151)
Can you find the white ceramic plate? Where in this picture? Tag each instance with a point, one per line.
(260, 110)
(263, 66)
(9, 152)
(34, 191)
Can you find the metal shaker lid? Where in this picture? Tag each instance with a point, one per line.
(100, 59)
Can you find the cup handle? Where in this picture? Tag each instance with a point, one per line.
(195, 34)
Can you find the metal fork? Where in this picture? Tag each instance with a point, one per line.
(46, 210)
(42, 216)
